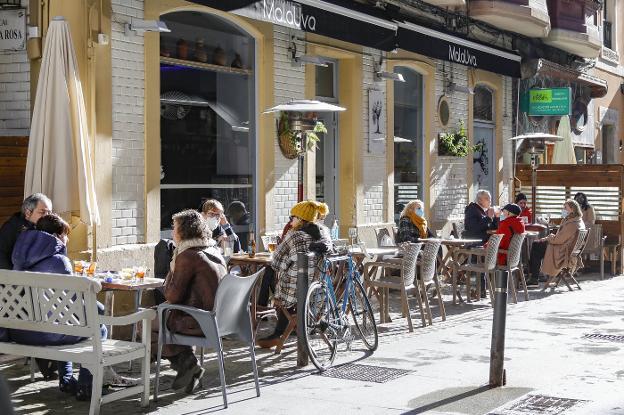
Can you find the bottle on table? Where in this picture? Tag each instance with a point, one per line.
(252, 244)
(334, 230)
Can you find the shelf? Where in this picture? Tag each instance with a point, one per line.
(204, 66)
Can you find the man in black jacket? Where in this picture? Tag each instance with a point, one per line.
(34, 207)
(479, 217)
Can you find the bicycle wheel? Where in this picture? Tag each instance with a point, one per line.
(362, 314)
(320, 331)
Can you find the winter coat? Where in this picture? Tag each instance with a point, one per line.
(193, 282)
(508, 228)
(408, 232)
(560, 246)
(38, 251)
(589, 216)
(8, 235)
(477, 222)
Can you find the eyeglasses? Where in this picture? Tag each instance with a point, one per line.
(213, 214)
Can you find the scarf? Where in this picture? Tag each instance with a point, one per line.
(419, 222)
(189, 243)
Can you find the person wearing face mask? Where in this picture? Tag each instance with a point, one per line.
(509, 225)
(218, 225)
(412, 223)
(589, 213)
(552, 254)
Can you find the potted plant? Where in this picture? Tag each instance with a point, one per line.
(297, 133)
(456, 143)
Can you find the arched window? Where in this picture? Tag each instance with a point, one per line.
(483, 105)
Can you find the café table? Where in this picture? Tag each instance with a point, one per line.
(250, 265)
(137, 286)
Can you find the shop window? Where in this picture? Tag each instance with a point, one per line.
(483, 104)
(326, 80)
(408, 140)
(207, 117)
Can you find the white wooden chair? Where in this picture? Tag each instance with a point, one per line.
(65, 304)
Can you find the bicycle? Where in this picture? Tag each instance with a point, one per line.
(327, 320)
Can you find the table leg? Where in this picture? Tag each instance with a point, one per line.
(108, 309)
(137, 301)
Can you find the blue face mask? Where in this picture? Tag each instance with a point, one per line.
(420, 212)
(502, 216)
(564, 213)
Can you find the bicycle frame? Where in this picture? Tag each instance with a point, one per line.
(325, 278)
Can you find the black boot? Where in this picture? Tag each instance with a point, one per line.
(189, 371)
(274, 338)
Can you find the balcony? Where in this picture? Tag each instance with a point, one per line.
(572, 27)
(447, 3)
(527, 17)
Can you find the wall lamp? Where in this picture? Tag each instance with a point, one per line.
(453, 87)
(380, 76)
(310, 60)
(139, 25)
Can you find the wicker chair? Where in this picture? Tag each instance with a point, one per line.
(428, 274)
(514, 252)
(404, 283)
(485, 266)
(567, 274)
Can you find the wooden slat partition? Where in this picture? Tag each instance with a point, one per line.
(602, 183)
(13, 152)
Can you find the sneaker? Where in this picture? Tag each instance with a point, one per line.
(195, 382)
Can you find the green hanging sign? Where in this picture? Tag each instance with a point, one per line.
(547, 101)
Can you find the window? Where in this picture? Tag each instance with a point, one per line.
(207, 118)
(408, 141)
(326, 81)
(483, 104)
(607, 27)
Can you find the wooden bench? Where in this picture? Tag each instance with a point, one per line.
(65, 304)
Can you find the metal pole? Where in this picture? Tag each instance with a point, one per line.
(497, 350)
(302, 291)
(300, 175)
(533, 184)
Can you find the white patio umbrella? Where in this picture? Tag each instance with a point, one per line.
(563, 153)
(59, 156)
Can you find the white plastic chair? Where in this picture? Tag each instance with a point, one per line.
(231, 316)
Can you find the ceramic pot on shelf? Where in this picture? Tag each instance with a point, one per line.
(182, 49)
(237, 62)
(219, 56)
(201, 54)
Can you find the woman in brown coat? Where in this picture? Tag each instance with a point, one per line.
(196, 269)
(555, 249)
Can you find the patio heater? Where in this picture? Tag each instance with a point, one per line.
(302, 119)
(537, 146)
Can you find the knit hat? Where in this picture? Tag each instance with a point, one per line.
(309, 210)
(512, 208)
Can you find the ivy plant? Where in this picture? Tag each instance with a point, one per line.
(456, 143)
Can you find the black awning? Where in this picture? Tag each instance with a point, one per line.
(338, 19)
(451, 48)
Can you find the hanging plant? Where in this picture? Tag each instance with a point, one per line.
(294, 142)
(456, 143)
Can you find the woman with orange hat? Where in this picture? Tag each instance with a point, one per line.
(305, 235)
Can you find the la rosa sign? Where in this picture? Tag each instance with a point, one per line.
(13, 29)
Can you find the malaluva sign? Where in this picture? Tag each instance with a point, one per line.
(461, 55)
(280, 12)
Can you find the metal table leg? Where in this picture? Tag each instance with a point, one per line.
(137, 300)
(108, 309)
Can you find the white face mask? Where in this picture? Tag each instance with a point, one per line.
(564, 213)
(212, 223)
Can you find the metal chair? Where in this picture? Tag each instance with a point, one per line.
(514, 252)
(485, 266)
(428, 274)
(404, 283)
(231, 316)
(567, 274)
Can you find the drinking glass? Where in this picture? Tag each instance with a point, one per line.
(140, 273)
(265, 241)
(91, 269)
(439, 233)
(79, 267)
(228, 249)
(272, 243)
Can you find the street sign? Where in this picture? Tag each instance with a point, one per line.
(549, 101)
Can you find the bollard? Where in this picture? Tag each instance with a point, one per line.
(302, 291)
(497, 350)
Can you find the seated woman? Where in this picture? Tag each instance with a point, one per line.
(521, 200)
(193, 278)
(589, 213)
(44, 249)
(412, 223)
(555, 249)
(509, 225)
(305, 235)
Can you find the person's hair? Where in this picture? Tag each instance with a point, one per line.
(53, 224)
(31, 202)
(211, 204)
(519, 197)
(410, 206)
(482, 192)
(191, 224)
(576, 208)
(585, 204)
(236, 207)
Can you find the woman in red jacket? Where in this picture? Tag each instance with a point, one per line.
(510, 224)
